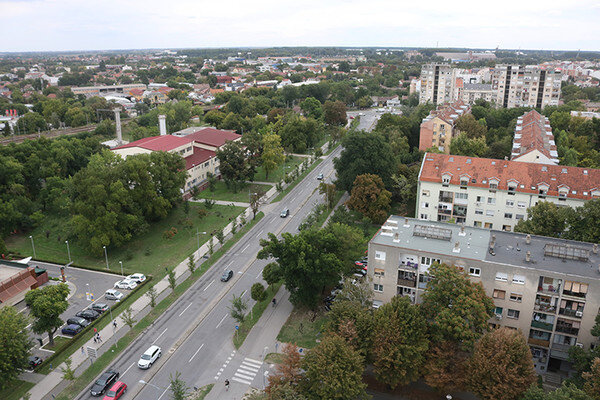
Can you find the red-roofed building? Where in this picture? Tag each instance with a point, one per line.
(533, 141)
(437, 129)
(209, 138)
(496, 194)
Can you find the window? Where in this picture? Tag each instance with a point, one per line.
(510, 203)
(423, 216)
(478, 211)
(498, 311)
(429, 261)
(445, 180)
(379, 272)
(474, 271)
(502, 277)
(489, 213)
(464, 196)
(516, 297)
(424, 204)
(508, 215)
(513, 313)
(380, 255)
(493, 187)
(491, 200)
(479, 199)
(477, 224)
(519, 216)
(521, 204)
(499, 294)
(518, 279)
(378, 287)
(425, 193)
(464, 182)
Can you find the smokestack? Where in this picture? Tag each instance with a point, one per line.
(118, 125)
(528, 256)
(162, 124)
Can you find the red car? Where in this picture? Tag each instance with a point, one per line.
(116, 391)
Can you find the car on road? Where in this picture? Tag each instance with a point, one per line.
(116, 391)
(106, 380)
(320, 177)
(227, 275)
(137, 278)
(285, 213)
(72, 329)
(126, 284)
(78, 321)
(100, 307)
(34, 361)
(113, 294)
(88, 314)
(149, 357)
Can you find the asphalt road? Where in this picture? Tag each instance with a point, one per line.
(367, 120)
(195, 334)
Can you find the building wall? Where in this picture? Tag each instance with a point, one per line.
(436, 133)
(534, 156)
(518, 86)
(437, 84)
(131, 151)
(197, 175)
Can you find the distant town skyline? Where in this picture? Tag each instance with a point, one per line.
(49, 25)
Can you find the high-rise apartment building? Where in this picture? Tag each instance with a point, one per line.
(526, 86)
(437, 83)
(548, 288)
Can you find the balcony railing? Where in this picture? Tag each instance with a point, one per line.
(570, 313)
(561, 347)
(545, 308)
(552, 289)
(444, 211)
(574, 294)
(542, 325)
(407, 282)
(569, 330)
(539, 342)
(408, 265)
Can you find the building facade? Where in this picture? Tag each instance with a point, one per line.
(496, 194)
(548, 288)
(526, 86)
(437, 129)
(437, 84)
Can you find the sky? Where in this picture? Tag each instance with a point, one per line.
(59, 25)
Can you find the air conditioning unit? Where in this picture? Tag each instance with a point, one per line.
(579, 313)
(498, 317)
(579, 345)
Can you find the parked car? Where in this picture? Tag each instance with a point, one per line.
(227, 275)
(137, 278)
(34, 361)
(106, 380)
(88, 314)
(320, 177)
(78, 321)
(100, 307)
(113, 294)
(116, 391)
(72, 329)
(285, 213)
(126, 284)
(149, 357)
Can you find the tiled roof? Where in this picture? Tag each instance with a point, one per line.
(199, 156)
(213, 137)
(581, 183)
(449, 112)
(157, 143)
(533, 132)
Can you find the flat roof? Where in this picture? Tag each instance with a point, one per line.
(7, 271)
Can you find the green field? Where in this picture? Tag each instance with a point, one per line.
(302, 328)
(277, 175)
(59, 341)
(148, 253)
(222, 192)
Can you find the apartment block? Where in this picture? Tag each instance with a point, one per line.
(469, 93)
(533, 141)
(437, 84)
(437, 129)
(496, 194)
(526, 86)
(548, 288)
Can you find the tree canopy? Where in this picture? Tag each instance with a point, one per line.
(46, 305)
(15, 344)
(370, 198)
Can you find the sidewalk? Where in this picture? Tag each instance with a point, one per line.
(261, 341)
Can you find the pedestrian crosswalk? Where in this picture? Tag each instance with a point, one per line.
(247, 371)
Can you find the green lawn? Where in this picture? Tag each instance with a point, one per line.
(149, 253)
(222, 192)
(277, 175)
(58, 342)
(16, 390)
(201, 393)
(252, 318)
(302, 328)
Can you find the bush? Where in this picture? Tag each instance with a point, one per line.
(170, 233)
(257, 292)
(202, 213)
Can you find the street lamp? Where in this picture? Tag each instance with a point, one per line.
(105, 256)
(198, 236)
(32, 245)
(68, 250)
(143, 382)
(121, 262)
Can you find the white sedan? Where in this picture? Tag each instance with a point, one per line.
(126, 284)
(138, 278)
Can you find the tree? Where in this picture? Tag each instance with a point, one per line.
(370, 198)
(289, 371)
(333, 371)
(446, 367)
(364, 153)
(68, 373)
(470, 126)
(582, 222)
(328, 190)
(359, 292)
(457, 309)
(220, 236)
(461, 145)
(399, 343)
(311, 107)
(46, 305)
(128, 318)
(152, 295)
(353, 322)
(272, 153)
(234, 165)
(171, 278)
(501, 367)
(191, 264)
(566, 392)
(255, 201)
(179, 390)
(15, 345)
(238, 308)
(591, 379)
(544, 219)
(334, 113)
(257, 292)
(271, 273)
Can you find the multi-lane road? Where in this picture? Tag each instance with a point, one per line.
(195, 334)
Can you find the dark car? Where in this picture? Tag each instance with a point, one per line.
(227, 275)
(72, 329)
(78, 321)
(34, 361)
(100, 307)
(105, 381)
(88, 314)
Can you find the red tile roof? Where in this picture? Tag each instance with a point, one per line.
(198, 157)
(157, 143)
(526, 177)
(533, 132)
(449, 112)
(213, 137)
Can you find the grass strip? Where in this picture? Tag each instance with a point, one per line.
(252, 318)
(201, 393)
(323, 216)
(110, 354)
(303, 328)
(16, 390)
(292, 185)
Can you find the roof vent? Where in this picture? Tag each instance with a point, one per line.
(528, 256)
(462, 231)
(595, 248)
(456, 248)
(528, 239)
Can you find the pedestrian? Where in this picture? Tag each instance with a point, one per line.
(95, 339)
(115, 324)
(82, 351)
(99, 338)
(95, 331)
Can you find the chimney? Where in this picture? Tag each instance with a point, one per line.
(595, 248)
(493, 242)
(528, 239)
(462, 230)
(406, 225)
(118, 125)
(456, 248)
(528, 256)
(396, 237)
(162, 124)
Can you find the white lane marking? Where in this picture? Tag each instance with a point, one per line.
(259, 274)
(199, 348)
(245, 382)
(250, 360)
(132, 364)
(240, 374)
(163, 393)
(293, 198)
(163, 332)
(219, 324)
(207, 286)
(245, 248)
(248, 368)
(243, 293)
(185, 309)
(229, 265)
(261, 231)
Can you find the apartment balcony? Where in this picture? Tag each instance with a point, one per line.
(570, 313)
(407, 283)
(548, 289)
(408, 266)
(561, 347)
(569, 330)
(444, 211)
(542, 325)
(539, 342)
(570, 293)
(545, 307)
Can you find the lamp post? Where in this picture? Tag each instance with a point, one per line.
(143, 382)
(198, 236)
(105, 256)
(68, 250)
(32, 245)
(121, 262)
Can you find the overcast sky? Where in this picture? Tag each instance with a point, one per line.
(45, 25)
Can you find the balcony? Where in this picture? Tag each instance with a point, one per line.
(549, 289)
(571, 293)
(571, 313)
(545, 307)
(569, 330)
(408, 265)
(407, 282)
(539, 342)
(561, 347)
(444, 211)
(542, 325)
